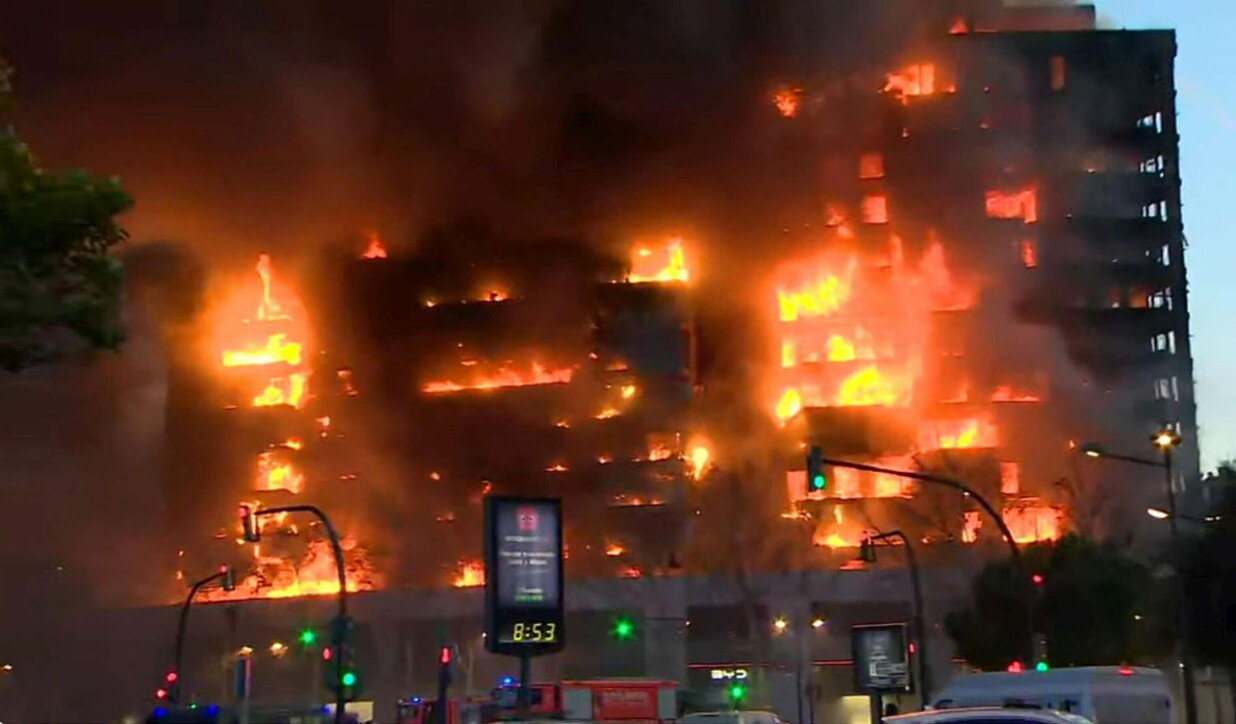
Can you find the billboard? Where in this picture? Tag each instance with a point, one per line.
(523, 575)
(881, 657)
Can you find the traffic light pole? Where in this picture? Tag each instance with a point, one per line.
(920, 631)
(966, 490)
(173, 694)
(339, 630)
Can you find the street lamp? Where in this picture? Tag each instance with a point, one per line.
(1166, 440)
(780, 624)
(1160, 514)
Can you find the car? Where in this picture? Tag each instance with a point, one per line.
(731, 717)
(988, 715)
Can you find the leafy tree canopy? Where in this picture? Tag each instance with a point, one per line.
(60, 287)
(1095, 605)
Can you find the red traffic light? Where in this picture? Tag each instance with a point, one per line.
(1015, 668)
(161, 694)
(444, 655)
(1037, 579)
(171, 677)
(326, 653)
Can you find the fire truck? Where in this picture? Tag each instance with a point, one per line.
(632, 701)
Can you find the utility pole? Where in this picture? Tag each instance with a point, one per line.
(341, 625)
(867, 553)
(177, 684)
(969, 492)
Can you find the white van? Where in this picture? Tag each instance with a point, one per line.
(1102, 694)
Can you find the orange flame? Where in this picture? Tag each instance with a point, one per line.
(668, 264)
(614, 549)
(972, 523)
(375, 249)
(314, 575)
(1034, 523)
(918, 79)
(700, 456)
(275, 475)
(790, 404)
(958, 434)
(787, 101)
(1005, 393)
(273, 338)
(958, 27)
(505, 377)
(1021, 204)
(470, 575)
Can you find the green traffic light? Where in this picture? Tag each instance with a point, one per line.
(349, 678)
(623, 629)
(1041, 666)
(308, 636)
(737, 691)
(818, 482)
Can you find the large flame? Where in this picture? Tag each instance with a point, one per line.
(314, 575)
(271, 341)
(666, 263)
(504, 376)
(977, 432)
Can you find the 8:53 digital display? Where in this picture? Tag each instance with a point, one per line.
(534, 632)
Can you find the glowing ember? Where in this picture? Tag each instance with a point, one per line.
(958, 27)
(614, 549)
(471, 574)
(557, 468)
(915, 80)
(374, 249)
(660, 452)
(505, 377)
(628, 391)
(607, 413)
(1021, 204)
(668, 264)
(787, 101)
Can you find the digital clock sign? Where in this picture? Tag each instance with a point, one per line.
(523, 575)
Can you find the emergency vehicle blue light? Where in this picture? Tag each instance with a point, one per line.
(416, 700)
(507, 681)
(212, 709)
(160, 712)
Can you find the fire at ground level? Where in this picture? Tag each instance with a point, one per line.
(687, 629)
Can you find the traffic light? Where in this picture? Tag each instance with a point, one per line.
(866, 549)
(167, 690)
(308, 637)
(248, 521)
(1041, 666)
(623, 629)
(1015, 668)
(816, 480)
(737, 693)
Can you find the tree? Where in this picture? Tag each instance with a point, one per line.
(1096, 606)
(60, 287)
(1209, 568)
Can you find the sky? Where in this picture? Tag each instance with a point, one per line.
(1206, 104)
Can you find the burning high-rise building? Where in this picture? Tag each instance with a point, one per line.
(952, 243)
